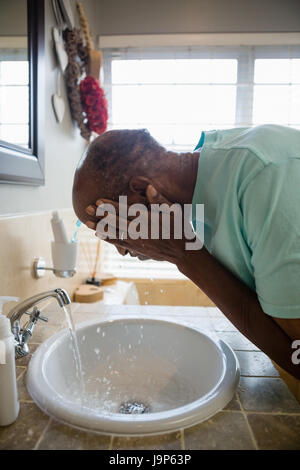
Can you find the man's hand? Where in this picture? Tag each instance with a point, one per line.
(125, 252)
(171, 249)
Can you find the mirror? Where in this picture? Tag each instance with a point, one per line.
(21, 91)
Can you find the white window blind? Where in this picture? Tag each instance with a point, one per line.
(177, 92)
(14, 95)
(130, 267)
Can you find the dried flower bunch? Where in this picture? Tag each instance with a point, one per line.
(87, 99)
(94, 104)
(77, 60)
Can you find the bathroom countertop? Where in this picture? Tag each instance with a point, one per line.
(263, 414)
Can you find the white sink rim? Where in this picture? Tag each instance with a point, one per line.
(172, 420)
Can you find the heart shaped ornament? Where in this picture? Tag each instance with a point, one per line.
(61, 54)
(58, 105)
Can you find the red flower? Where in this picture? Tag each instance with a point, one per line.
(94, 104)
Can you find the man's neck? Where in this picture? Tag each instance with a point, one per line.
(187, 171)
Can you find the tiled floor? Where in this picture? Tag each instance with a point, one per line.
(262, 415)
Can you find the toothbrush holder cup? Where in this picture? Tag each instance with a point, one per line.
(64, 257)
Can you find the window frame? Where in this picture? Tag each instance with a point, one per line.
(245, 56)
(17, 164)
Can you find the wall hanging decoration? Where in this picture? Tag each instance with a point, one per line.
(78, 57)
(57, 100)
(92, 95)
(67, 13)
(80, 63)
(61, 54)
(58, 103)
(94, 104)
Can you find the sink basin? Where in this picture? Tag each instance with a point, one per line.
(141, 376)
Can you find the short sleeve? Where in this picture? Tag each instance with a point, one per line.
(271, 216)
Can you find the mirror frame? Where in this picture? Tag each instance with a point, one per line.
(17, 164)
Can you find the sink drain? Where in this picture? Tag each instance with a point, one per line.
(133, 408)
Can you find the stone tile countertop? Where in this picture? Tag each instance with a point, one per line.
(263, 414)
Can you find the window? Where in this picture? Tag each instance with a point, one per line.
(177, 92)
(14, 95)
(173, 98)
(277, 92)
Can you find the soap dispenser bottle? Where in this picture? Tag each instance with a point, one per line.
(9, 404)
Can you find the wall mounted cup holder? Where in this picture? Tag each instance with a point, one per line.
(40, 268)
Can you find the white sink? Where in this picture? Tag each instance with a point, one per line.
(175, 374)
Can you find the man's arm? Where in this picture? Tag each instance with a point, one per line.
(240, 305)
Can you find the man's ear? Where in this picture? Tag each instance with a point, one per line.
(138, 184)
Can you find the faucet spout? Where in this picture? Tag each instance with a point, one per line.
(59, 294)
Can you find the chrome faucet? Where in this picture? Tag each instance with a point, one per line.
(22, 335)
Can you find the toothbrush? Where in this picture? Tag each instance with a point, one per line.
(78, 224)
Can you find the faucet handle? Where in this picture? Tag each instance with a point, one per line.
(45, 319)
(26, 332)
(35, 315)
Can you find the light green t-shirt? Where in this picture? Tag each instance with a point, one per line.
(249, 182)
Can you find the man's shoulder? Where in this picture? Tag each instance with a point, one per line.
(269, 142)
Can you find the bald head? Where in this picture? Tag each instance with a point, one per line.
(109, 164)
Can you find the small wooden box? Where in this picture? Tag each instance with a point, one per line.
(87, 293)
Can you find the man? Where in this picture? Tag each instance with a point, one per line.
(249, 182)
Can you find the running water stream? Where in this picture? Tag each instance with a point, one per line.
(74, 342)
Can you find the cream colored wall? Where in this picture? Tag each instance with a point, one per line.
(196, 16)
(24, 237)
(13, 17)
